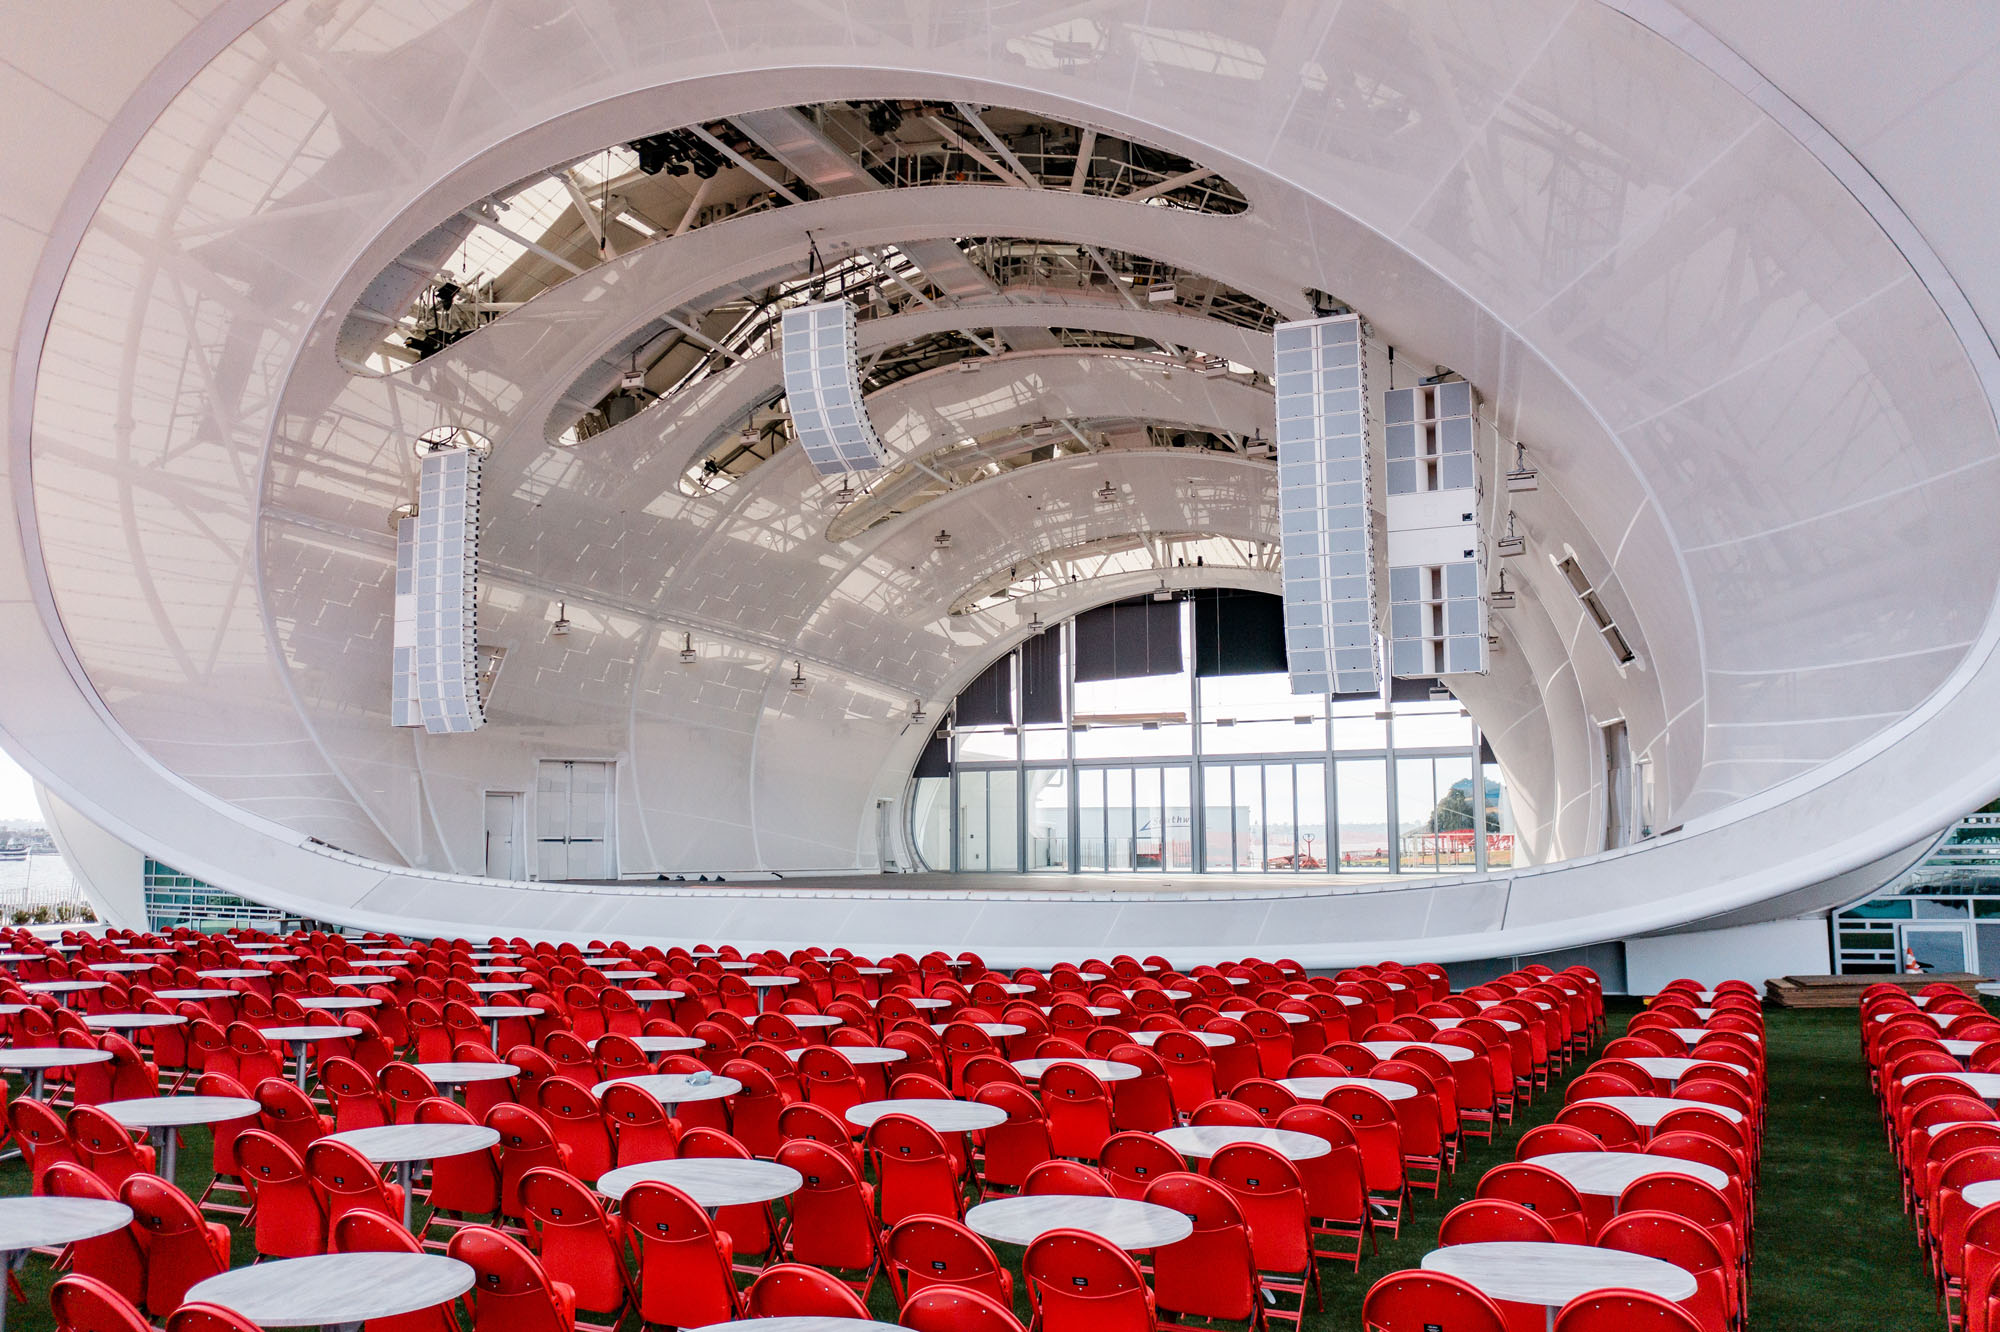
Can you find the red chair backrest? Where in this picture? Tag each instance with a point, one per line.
(1066, 1178)
(1624, 1311)
(793, 1290)
(925, 1251)
(1213, 1272)
(1492, 1220)
(956, 1309)
(86, 1304)
(511, 1292)
(1542, 1192)
(1077, 1282)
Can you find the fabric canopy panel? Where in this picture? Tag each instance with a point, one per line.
(1238, 633)
(1128, 639)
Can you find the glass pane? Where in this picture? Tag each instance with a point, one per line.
(972, 820)
(1143, 717)
(1118, 818)
(1432, 726)
(1048, 819)
(1218, 835)
(1355, 727)
(1136, 740)
(1180, 819)
(1042, 743)
(1259, 714)
(1416, 803)
(1280, 827)
(1003, 819)
(1499, 820)
(1310, 781)
(930, 821)
(1249, 817)
(1090, 818)
(984, 745)
(1935, 949)
(1455, 815)
(1361, 798)
(1148, 821)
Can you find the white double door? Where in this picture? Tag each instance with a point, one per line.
(573, 824)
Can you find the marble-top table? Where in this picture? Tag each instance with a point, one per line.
(1552, 1275)
(1106, 1070)
(300, 1037)
(1647, 1111)
(944, 1116)
(1986, 1086)
(1387, 1049)
(993, 1029)
(336, 1291)
(1608, 1174)
(672, 1089)
(32, 1223)
(1205, 1140)
(1312, 1089)
(711, 1182)
(37, 1063)
(1125, 1222)
(407, 1146)
(338, 1003)
(655, 996)
(161, 1115)
(660, 1044)
(132, 1021)
(65, 990)
(1095, 1010)
(1673, 1070)
(856, 1055)
(1212, 1039)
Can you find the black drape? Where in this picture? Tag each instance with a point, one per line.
(1128, 639)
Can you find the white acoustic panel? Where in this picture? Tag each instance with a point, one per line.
(823, 390)
(445, 581)
(403, 709)
(1433, 441)
(1325, 498)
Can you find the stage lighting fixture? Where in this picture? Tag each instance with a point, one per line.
(688, 654)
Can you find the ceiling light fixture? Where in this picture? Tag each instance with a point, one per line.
(1161, 593)
(561, 626)
(1522, 477)
(798, 677)
(942, 540)
(917, 710)
(1513, 543)
(1107, 493)
(688, 654)
(1501, 597)
(1035, 624)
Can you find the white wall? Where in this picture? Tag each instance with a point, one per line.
(111, 874)
(1754, 953)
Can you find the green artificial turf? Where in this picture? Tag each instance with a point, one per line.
(1834, 1252)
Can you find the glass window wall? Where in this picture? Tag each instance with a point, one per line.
(1220, 773)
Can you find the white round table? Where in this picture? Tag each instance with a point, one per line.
(498, 968)
(1670, 1070)
(495, 1014)
(628, 975)
(64, 989)
(132, 1021)
(1125, 1222)
(1981, 1192)
(1388, 1049)
(672, 1089)
(32, 1223)
(36, 1063)
(1986, 1086)
(1647, 1111)
(996, 1030)
(712, 1182)
(655, 996)
(1105, 1069)
(1212, 1039)
(498, 987)
(1608, 1174)
(300, 1037)
(356, 979)
(1989, 989)
(161, 1115)
(763, 984)
(118, 967)
(916, 1001)
(855, 1054)
(1095, 1010)
(1312, 1089)
(1205, 1140)
(407, 1146)
(1693, 1034)
(11, 958)
(739, 966)
(661, 1044)
(451, 1074)
(193, 996)
(1959, 1048)
(803, 1323)
(811, 1021)
(1552, 1275)
(1904, 1015)
(1173, 996)
(234, 973)
(336, 1291)
(1015, 987)
(1446, 1024)
(337, 1003)
(944, 1116)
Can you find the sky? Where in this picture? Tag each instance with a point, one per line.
(17, 792)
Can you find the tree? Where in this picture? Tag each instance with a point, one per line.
(1454, 812)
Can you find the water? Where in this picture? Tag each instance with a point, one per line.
(43, 879)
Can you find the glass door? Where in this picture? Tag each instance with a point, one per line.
(1946, 948)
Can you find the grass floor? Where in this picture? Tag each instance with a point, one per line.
(1833, 1250)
